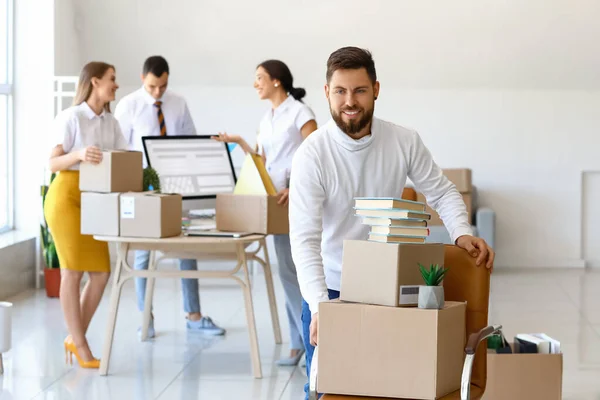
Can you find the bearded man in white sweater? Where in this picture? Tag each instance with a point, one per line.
(358, 155)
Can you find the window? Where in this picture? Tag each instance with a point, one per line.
(6, 44)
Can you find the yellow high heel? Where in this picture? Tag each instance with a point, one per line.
(71, 349)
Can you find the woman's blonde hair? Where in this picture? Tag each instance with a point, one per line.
(94, 69)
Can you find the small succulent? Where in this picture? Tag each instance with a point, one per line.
(433, 276)
(151, 180)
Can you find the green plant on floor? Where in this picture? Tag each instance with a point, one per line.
(151, 180)
(48, 246)
(433, 276)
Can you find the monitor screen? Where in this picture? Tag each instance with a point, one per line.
(197, 167)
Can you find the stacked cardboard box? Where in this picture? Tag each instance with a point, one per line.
(371, 342)
(462, 178)
(113, 204)
(253, 206)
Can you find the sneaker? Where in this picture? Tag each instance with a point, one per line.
(206, 326)
(151, 331)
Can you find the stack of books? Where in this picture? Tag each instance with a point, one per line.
(393, 220)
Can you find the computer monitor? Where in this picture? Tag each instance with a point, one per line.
(197, 167)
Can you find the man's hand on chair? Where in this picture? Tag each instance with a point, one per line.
(477, 247)
(314, 327)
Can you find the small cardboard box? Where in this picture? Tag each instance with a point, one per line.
(461, 177)
(100, 214)
(251, 213)
(385, 273)
(408, 353)
(119, 171)
(435, 218)
(150, 215)
(523, 376)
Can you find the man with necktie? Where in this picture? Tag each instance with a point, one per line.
(152, 110)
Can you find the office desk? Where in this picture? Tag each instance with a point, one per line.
(202, 248)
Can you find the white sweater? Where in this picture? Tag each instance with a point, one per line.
(330, 169)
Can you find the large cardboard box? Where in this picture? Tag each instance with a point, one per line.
(100, 214)
(150, 215)
(410, 353)
(119, 171)
(385, 273)
(461, 177)
(251, 213)
(523, 376)
(435, 218)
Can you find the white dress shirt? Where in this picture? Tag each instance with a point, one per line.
(280, 136)
(138, 117)
(79, 126)
(330, 169)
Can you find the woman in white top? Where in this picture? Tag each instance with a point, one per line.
(283, 128)
(80, 133)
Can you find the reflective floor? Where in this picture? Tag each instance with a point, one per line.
(181, 365)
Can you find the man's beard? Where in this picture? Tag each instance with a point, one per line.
(353, 126)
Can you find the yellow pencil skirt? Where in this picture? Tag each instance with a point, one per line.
(62, 210)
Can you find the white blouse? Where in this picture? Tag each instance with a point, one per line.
(280, 136)
(79, 126)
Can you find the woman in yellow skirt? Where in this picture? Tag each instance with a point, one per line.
(80, 133)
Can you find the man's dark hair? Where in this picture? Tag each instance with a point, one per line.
(351, 58)
(156, 65)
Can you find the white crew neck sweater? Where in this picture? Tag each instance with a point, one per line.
(330, 169)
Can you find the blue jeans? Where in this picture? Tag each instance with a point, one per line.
(310, 349)
(191, 297)
(291, 288)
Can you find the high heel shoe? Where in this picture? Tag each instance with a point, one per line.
(71, 349)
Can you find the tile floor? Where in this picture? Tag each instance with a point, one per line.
(181, 365)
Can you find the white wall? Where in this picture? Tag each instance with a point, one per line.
(67, 29)
(509, 89)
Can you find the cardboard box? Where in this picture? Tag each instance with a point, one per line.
(461, 177)
(435, 218)
(385, 273)
(523, 376)
(119, 171)
(251, 213)
(411, 353)
(100, 214)
(150, 215)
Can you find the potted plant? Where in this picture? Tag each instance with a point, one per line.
(52, 265)
(151, 180)
(431, 295)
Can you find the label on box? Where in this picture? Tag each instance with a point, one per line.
(127, 207)
(409, 295)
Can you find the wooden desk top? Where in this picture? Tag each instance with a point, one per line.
(181, 239)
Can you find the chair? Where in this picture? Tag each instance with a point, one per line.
(464, 281)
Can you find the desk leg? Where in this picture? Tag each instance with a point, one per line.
(271, 292)
(115, 295)
(254, 351)
(149, 296)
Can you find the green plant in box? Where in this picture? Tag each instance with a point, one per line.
(433, 276)
(151, 180)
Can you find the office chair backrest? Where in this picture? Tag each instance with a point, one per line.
(468, 282)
